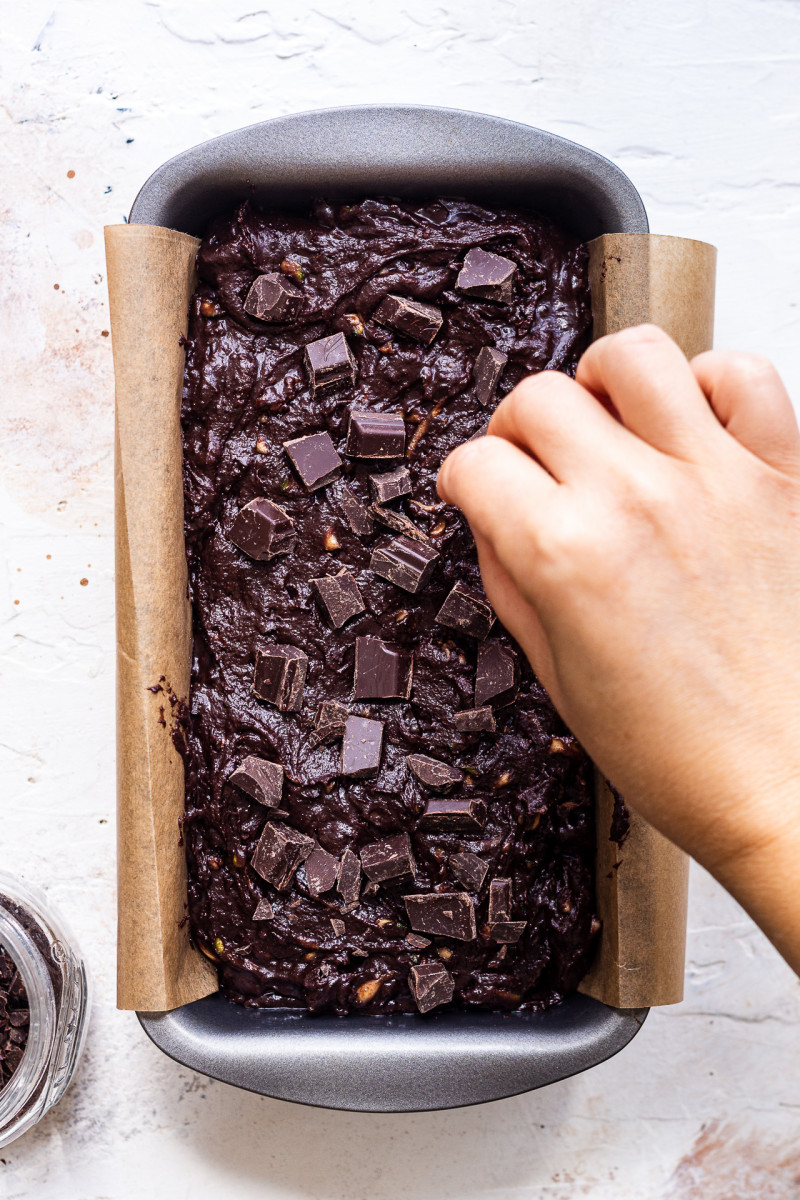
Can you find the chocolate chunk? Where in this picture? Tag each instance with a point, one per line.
(262, 530)
(419, 321)
(315, 459)
(383, 671)
(416, 942)
(348, 884)
(468, 869)
(497, 674)
(280, 676)
(432, 773)
(388, 858)
(260, 779)
(467, 611)
(479, 433)
(430, 985)
(273, 298)
(339, 597)
(399, 522)
(338, 927)
(279, 852)
(507, 931)
(475, 720)
(329, 361)
(407, 564)
(361, 747)
(487, 276)
(358, 516)
(376, 435)
(324, 734)
(263, 911)
(450, 816)
(442, 914)
(391, 485)
(321, 871)
(329, 722)
(499, 900)
(486, 373)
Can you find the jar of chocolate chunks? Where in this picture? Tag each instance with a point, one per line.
(44, 1007)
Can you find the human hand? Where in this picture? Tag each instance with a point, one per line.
(648, 563)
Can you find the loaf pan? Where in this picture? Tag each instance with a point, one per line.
(389, 1063)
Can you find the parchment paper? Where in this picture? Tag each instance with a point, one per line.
(150, 280)
(641, 889)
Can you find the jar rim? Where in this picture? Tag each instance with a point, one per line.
(19, 1094)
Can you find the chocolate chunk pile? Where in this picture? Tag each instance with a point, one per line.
(14, 1017)
(380, 813)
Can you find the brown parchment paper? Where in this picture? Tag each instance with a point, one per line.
(150, 280)
(641, 887)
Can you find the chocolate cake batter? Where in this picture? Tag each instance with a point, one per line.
(383, 811)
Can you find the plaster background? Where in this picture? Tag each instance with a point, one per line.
(698, 102)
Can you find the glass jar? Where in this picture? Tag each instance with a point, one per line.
(53, 973)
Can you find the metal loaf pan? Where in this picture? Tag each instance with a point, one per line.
(391, 1063)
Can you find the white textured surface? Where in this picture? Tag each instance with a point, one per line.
(697, 101)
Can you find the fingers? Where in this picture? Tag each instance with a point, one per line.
(562, 425)
(748, 396)
(501, 492)
(652, 387)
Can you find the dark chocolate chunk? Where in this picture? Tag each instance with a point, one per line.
(383, 671)
(339, 597)
(497, 674)
(376, 435)
(388, 858)
(263, 911)
(329, 722)
(338, 927)
(507, 931)
(329, 361)
(407, 564)
(399, 522)
(430, 985)
(486, 373)
(315, 459)
(419, 321)
(361, 747)
(467, 611)
(324, 734)
(499, 900)
(322, 870)
(279, 852)
(260, 779)
(451, 816)
(479, 433)
(468, 869)
(348, 884)
(280, 676)
(475, 720)
(487, 276)
(417, 942)
(391, 485)
(433, 773)
(357, 514)
(262, 530)
(442, 914)
(273, 298)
